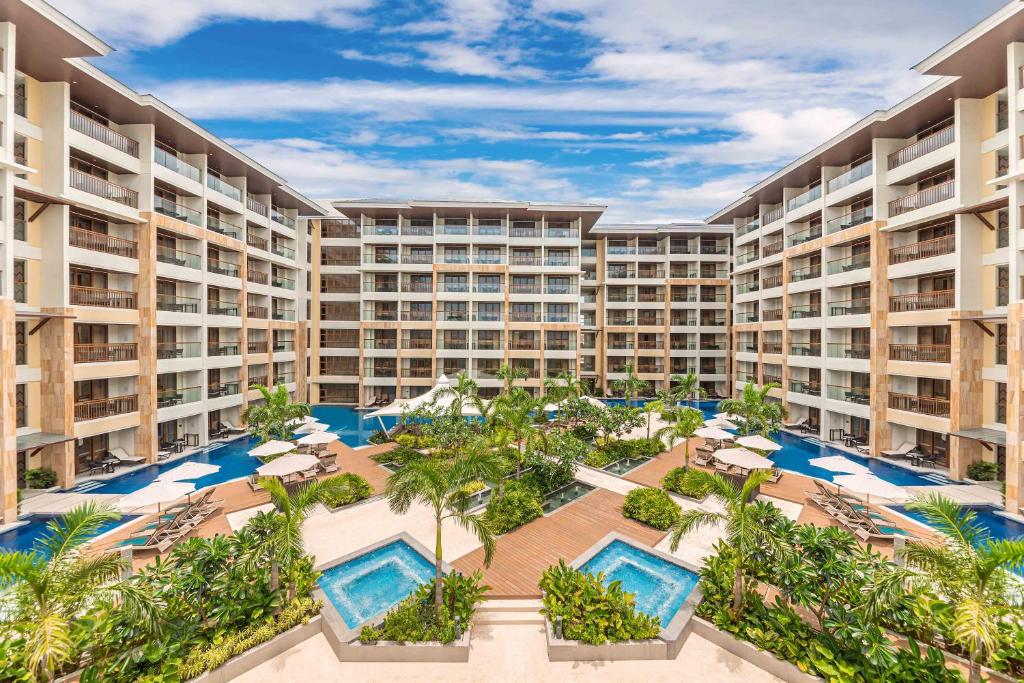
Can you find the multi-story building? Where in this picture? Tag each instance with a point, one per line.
(148, 271)
(878, 277)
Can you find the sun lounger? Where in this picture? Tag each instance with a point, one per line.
(230, 428)
(310, 473)
(722, 467)
(795, 425)
(904, 451)
(123, 457)
(254, 482)
(776, 475)
(703, 459)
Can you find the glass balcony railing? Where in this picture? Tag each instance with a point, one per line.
(804, 198)
(180, 166)
(223, 187)
(858, 172)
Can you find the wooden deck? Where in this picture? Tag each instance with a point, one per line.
(522, 555)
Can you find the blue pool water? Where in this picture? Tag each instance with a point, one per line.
(24, 536)
(660, 586)
(998, 526)
(349, 424)
(371, 584)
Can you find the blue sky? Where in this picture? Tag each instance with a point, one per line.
(662, 109)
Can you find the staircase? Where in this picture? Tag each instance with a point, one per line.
(509, 612)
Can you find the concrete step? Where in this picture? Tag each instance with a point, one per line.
(509, 606)
(509, 618)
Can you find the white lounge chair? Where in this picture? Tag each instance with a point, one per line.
(795, 425)
(905, 449)
(232, 429)
(123, 457)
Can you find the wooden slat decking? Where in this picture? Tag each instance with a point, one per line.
(522, 555)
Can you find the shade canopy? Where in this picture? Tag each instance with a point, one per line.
(156, 493)
(190, 470)
(714, 433)
(318, 438)
(870, 485)
(438, 396)
(729, 416)
(311, 427)
(288, 464)
(552, 407)
(305, 419)
(720, 423)
(758, 443)
(272, 448)
(837, 463)
(741, 457)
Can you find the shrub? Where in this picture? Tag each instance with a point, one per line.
(653, 507)
(598, 457)
(414, 440)
(40, 478)
(357, 489)
(645, 448)
(591, 611)
(982, 471)
(518, 504)
(379, 437)
(556, 466)
(676, 481)
(399, 455)
(585, 432)
(473, 487)
(414, 620)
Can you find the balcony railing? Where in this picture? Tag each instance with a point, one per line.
(282, 282)
(107, 244)
(771, 249)
(856, 351)
(805, 235)
(222, 267)
(748, 227)
(856, 306)
(223, 349)
(103, 188)
(177, 304)
(257, 277)
(178, 257)
(803, 387)
(181, 212)
(281, 250)
(176, 350)
(849, 263)
(171, 161)
(861, 170)
(805, 311)
(97, 408)
(743, 259)
(774, 215)
(746, 287)
(221, 226)
(920, 353)
(850, 220)
(165, 398)
(257, 242)
(256, 206)
(771, 314)
(938, 246)
(916, 150)
(105, 134)
(104, 298)
(926, 197)
(771, 281)
(222, 389)
(773, 348)
(925, 405)
(281, 218)
(257, 347)
(838, 392)
(225, 188)
(805, 273)
(745, 317)
(216, 307)
(284, 314)
(106, 353)
(258, 312)
(805, 349)
(804, 198)
(921, 301)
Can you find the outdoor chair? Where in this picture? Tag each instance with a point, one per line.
(123, 457)
(230, 428)
(904, 451)
(799, 424)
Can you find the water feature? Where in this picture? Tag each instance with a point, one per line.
(624, 465)
(565, 495)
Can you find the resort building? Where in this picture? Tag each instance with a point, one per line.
(877, 278)
(412, 290)
(149, 272)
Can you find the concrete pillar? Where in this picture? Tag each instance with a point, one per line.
(146, 439)
(57, 391)
(8, 421)
(1014, 407)
(965, 390)
(880, 437)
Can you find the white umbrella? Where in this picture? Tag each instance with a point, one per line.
(714, 433)
(288, 464)
(758, 443)
(318, 438)
(156, 493)
(438, 396)
(311, 427)
(552, 407)
(729, 416)
(305, 419)
(837, 463)
(272, 448)
(870, 485)
(720, 423)
(741, 457)
(190, 470)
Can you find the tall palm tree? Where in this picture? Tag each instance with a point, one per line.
(969, 570)
(440, 485)
(630, 386)
(748, 525)
(269, 420)
(759, 414)
(464, 390)
(283, 528)
(509, 375)
(650, 408)
(561, 387)
(518, 414)
(43, 591)
(688, 421)
(685, 387)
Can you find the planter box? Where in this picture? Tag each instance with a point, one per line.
(250, 659)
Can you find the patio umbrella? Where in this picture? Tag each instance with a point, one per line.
(288, 464)
(156, 493)
(870, 485)
(190, 470)
(305, 419)
(318, 438)
(837, 463)
(720, 423)
(438, 396)
(311, 427)
(729, 416)
(758, 443)
(741, 457)
(272, 448)
(552, 407)
(714, 433)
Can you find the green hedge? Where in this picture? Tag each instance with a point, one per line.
(518, 504)
(982, 471)
(399, 455)
(357, 489)
(676, 481)
(40, 478)
(653, 507)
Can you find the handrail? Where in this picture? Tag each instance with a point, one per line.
(105, 298)
(255, 206)
(858, 172)
(850, 220)
(849, 263)
(105, 134)
(177, 304)
(175, 163)
(178, 257)
(920, 353)
(181, 212)
(225, 188)
(921, 301)
(257, 277)
(926, 197)
(106, 353)
(804, 198)
(774, 215)
(256, 241)
(223, 227)
(925, 405)
(103, 188)
(915, 150)
(859, 351)
(94, 409)
(98, 241)
(169, 350)
(937, 246)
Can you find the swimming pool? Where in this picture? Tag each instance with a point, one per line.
(349, 424)
(999, 526)
(372, 583)
(660, 586)
(24, 537)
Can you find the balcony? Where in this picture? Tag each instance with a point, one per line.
(858, 172)
(805, 311)
(222, 267)
(282, 250)
(282, 282)
(222, 227)
(750, 317)
(920, 353)
(257, 277)
(106, 353)
(172, 162)
(107, 244)
(104, 298)
(103, 188)
(256, 242)
(800, 386)
(938, 246)
(771, 249)
(858, 395)
(771, 282)
(805, 349)
(282, 219)
(747, 287)
(805, 273)
(177, 350)
(774, 214)
(748, 227)
(916, 150)
(563, 261)
(226, 189)
(923, 405)
(772, 348)
(771, 315)
(805, 235)
(919, 200)
(257, 347)
(177, 304)
(804, 198)
(749, 257)
(166, 207)
(921, 301)
(97, 408)
(848, 264)
(414, 230)
(258, 379)
(222, 389)
(216, 307)
(854, 351)
(850, 220)
(258, 312)
(165, 398)
(256, 206)
(223, 349)
(178, 257)
(105, 134)
(284, 314)
(857, 306)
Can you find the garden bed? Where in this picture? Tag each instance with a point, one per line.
(252, 658)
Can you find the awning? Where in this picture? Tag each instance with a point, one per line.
(990, 436)
(33, 442)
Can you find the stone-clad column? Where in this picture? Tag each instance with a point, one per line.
(57, 391)
(1014, 407)
(965, 390)
(880, 437)
(146, 434)
(8, 413)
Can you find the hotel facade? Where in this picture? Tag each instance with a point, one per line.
(878, 277)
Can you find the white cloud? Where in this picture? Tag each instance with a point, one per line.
(469, 61)
(389, 58)
(474, 20)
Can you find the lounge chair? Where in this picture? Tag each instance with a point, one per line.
(886, 533)
(310, 473)
(231, 429)
(776, 475)
(328, 463)
(722, 467)
(904, 451)
(799, 424)
(123, 457)
(254, 482)
(703, 459)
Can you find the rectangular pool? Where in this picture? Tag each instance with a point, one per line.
(989, 517)
(24, 537)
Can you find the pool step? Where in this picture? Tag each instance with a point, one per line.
(510, 612)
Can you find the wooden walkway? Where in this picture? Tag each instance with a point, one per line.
(522, 555)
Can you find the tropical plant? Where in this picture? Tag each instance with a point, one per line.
(464, 392)
(759, 414)
(686, 387)
(649, 409)
(688, 421)
(270, 419)
(653, 507)
(439, 485)
(748, 525)
(46, 593)
(675, 480)
(509, 375)
(518, 414)
(982, 471)
(517, 504)
(561, 388)
(629, 386)
(354, 490)
(40, 478)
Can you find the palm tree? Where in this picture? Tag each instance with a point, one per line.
(758, 413)
(969, 570)
(464, 390)
(269, 420)
(43, 591)
(630, 386)
(283, 528)
(685, 387)
(688, 421)
(649, 409)
(439, 484)
(559, 388)
(510, 374)
(518, 413)
(748, 525)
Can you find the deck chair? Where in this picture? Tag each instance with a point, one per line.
(905, 449)
(123, 457)
(231, 429)
(254, 483)
(776, 475)
(722, 467)
(799, 424)
(703, 459)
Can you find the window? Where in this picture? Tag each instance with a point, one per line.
(1001, 344)
(1001, 403)
(21, 406)
(20, 343)
(19, 220)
